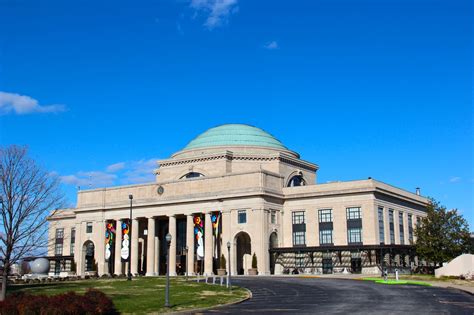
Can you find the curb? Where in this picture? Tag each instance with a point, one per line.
(197, 310)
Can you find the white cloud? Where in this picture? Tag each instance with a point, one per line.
(271, 45)
(455, 179)
(91, 179)
(115, 167)
(133, 172)
(218, 11)
(22, 104)
(140, 172)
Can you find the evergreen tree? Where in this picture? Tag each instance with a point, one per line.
(442, 235)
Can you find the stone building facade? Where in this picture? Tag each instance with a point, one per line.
(238, 184)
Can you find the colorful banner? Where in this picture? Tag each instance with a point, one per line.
(215, 219)
(199, 236)
(124, 253)
(109, 239)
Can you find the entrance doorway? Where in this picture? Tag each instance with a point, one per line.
(88, 250)
(244, 252)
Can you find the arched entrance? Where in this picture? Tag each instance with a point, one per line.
(273, 244)
(244, 252)
(88, 258)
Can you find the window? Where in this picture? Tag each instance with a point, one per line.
(325, 215)
(418, 221)
(273, 217)
(381, 226)
(192, 175)
(299, 228)
(299, 260)
(89, 227)
(325, 237)
(59, 233)
(299, 238)
(58, 249)
(410, 228)
(353, 213)
(73, 240)
(354, 235)
(298, 217)
(296, 181)
(392, 227)
(402, 230)
(241, 216)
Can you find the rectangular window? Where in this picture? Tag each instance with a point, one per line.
(392, 227)
(73, 240)
(325, 215)
(89, 227)
(381, 226)
(402, 230)
(325, 237)
(353, 213)
(410, 228)
(242, 216)
(298, 217)
(299, 238)
(354, 235)
(273, 219)
(299, 260)
(58, 249)
(299, 228)
(59, 233)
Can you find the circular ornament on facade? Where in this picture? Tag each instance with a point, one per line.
(160, 190)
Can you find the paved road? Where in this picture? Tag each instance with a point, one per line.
(285, 295)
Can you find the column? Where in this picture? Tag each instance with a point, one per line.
(78, 258)
(208, 245)
(190, 244)
(99, 252)
(172, 250)
(226, 237)
(134, 240)
(118, 248)
(150, 248)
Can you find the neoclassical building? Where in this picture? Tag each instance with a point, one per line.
(237, 183)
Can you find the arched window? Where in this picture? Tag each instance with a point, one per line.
(192, 175)
(296, 180)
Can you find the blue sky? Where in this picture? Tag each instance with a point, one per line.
(100, 89)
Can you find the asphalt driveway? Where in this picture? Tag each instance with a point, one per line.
(288, 295)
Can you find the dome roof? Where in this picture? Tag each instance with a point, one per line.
(235, 135)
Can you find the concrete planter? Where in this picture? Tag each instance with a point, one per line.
(253, 272)
(221, 272)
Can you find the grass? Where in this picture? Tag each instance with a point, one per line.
(145, 295)
(395, 282)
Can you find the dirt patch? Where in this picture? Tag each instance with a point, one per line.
(208, 293)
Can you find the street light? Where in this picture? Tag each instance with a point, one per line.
(228, 274)
(167, 292)
(129, 276)
(186, 249)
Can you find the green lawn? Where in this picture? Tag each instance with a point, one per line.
(145, 295)
(395, 282)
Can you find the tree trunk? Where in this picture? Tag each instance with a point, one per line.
(4, 287)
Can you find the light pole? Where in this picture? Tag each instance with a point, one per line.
(129, 276)
(187, 258)
(167, 292)
(228, 275)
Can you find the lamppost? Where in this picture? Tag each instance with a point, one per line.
(187, 258)
(129, 276)
(228, 274)
(167, 292)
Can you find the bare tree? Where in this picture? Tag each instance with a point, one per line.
(27, 195)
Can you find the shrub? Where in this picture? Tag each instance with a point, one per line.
(254, 261)
(223, 262)
(92, 302)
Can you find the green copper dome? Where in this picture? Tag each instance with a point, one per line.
(235, 135)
